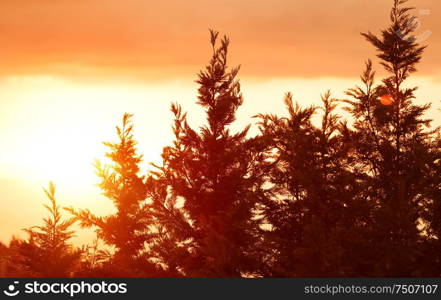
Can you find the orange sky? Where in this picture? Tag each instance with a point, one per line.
(70, 69)
(159, 39)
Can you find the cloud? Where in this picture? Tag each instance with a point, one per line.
(161, 39)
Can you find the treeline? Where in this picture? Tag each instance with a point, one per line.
(301, 198)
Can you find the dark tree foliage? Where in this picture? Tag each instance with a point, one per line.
(311, 195)
(316, 209)
(395, 149)
(126, 230)
(10, 260)
(432, 211)
(95, 261)
(213, 173)
(47, 253)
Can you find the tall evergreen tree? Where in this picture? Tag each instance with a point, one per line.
(47, 252)
(315, 210)
(394, 148)
(213, 173)
(127, 230)
(432, 211)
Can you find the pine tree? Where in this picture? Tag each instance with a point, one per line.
(94, 260)
(171, 231)
(315, 210)
(432, 211)
(127, 230)
(394, 149)
(47, 253)
(212, 172)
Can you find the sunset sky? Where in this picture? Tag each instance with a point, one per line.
(69, 69)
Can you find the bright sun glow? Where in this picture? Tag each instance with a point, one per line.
(57, 128)
(60, 153)
(52, 129)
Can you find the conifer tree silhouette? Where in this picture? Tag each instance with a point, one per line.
(212, 172)
(315, 208)
(432, 209)
(394, 146)
(47, 253)
(299, 199)
(127, 229)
